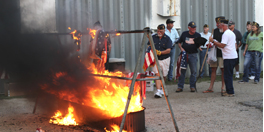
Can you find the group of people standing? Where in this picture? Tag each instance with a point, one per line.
(225, 37)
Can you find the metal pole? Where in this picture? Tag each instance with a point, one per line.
(109, 32)
(126, 78)
(133, 82)
(162, 82)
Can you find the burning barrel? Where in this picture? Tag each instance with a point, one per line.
(135, 122)
(93, 118)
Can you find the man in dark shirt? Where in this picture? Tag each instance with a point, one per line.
(231, 26)
(186, 44)
(217, 35)
(163, 47)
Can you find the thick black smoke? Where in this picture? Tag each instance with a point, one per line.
(32, 60)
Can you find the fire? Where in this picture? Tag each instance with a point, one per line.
(67, 120)
(107, 95)
(118, 34)
(69, 28)
(115, 128)
(112, 97)
(92, 33)
(76, 35)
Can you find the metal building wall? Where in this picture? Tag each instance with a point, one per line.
(113, 14)
(204, 12)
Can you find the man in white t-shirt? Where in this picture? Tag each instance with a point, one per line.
(228, 46)
(203, 48)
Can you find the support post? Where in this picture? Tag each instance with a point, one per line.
(133, 82)
(162, 81)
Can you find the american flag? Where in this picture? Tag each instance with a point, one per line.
(149, 59)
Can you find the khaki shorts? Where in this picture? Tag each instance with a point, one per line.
(164, 65)
(219, 63)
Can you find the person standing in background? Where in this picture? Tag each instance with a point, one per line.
(203, 49)
(253, 52)
(220, 63)
(231, 26)
(187, 45)
(251, 70)
(174, 36)
(228, 47)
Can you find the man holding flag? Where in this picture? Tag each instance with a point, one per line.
(163, 47)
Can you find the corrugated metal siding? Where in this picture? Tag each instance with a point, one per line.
(204, 12)
(113, 14)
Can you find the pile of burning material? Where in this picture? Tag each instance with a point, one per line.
(98, 101)
(104, 99)
(83, 97)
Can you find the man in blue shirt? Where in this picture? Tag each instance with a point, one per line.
(163, 47)
(174, 36)
(186, 44)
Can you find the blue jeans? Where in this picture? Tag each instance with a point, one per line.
(172, 56)
(202, 54)
(257, 58)
(229, 65)
(251, 69)
(192, 62)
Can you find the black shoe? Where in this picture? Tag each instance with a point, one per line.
(192, 89)
(178, 90)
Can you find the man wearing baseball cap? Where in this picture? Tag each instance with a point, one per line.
(174, 36)
(205, 34)
(187, 45)
(228, 48)
(231, 26)
(163, 47)
(220, 62)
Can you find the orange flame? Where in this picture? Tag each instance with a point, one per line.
(115, 128)
(108, 95)
(78, 37)
(92, 33)
(118, 34)
(67, 120)
(114, 94)
(69, 28)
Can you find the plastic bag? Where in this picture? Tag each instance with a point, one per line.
(212, 55)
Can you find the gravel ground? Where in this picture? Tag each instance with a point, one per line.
(194, 112)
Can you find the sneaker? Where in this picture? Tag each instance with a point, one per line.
(237, 76)
(256, 81)
(158, 94)
(251, 77)
(178, 90)
(228, 95)
(161, 92)
(241, 81)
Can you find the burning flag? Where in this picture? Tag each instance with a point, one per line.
(98, 48)
(76, 35)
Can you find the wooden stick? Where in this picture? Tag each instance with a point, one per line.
(203, 63)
